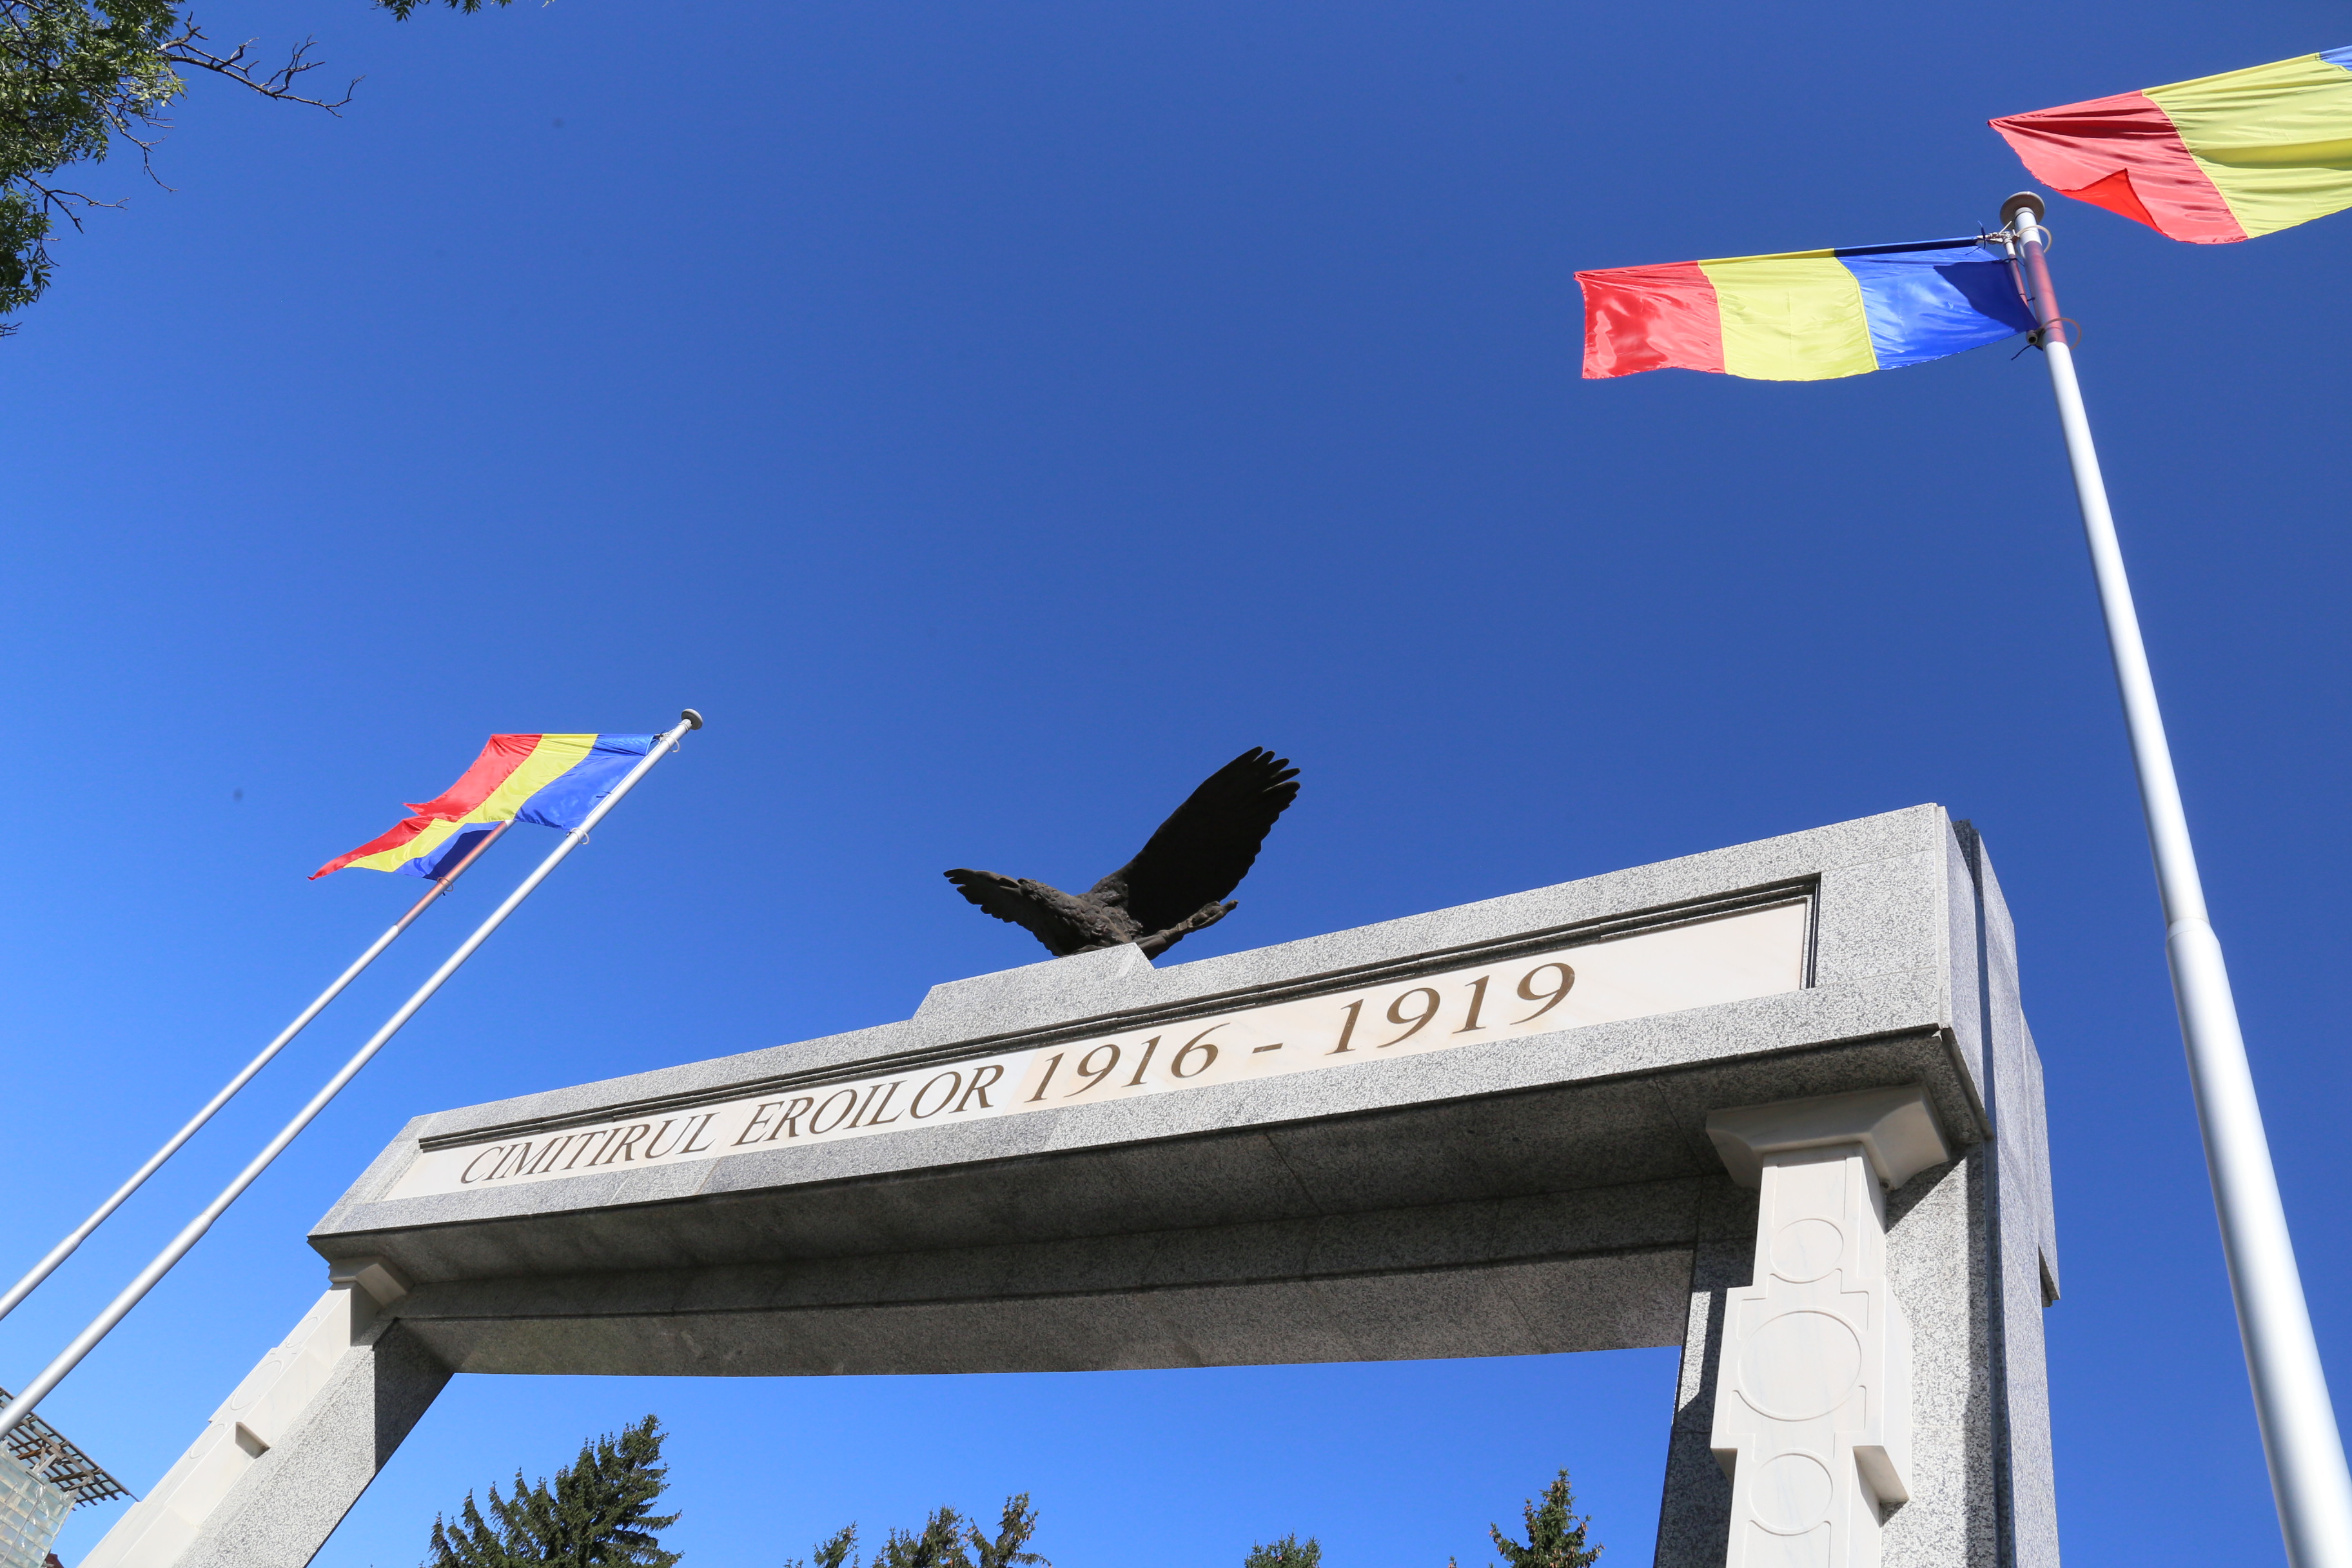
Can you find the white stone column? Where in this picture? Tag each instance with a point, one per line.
(292, 1449)
(1812, 1405)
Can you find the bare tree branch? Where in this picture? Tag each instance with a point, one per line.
(187, 50)
(59, 200)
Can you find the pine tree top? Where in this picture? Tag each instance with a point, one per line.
(1555, 1532)
(947, 1539)
(597, 1514)
(1287, 1553)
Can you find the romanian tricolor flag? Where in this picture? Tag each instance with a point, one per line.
(1807, 315)
(2218, 159)
(551, 779)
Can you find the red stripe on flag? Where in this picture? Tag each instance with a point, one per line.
(2122, 153)
(1649, 318)
(409, 829)
(501, 757)
(2115, 194)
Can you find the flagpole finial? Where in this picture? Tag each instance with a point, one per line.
(2024, 201)
(693, 720)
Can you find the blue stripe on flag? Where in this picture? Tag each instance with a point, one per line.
(1924, 304)
(567, 799)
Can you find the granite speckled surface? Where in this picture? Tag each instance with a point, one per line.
(1550, 1192)
(283, 1508)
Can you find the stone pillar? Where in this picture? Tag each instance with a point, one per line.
(286, 1455)
(1812, 1405)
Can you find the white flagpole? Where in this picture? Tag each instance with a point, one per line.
(2300, 1439)
(119, 1308)
(80, 1233)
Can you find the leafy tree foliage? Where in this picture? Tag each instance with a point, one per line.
(598, 1514)
(1287, 1553)
(1555, 1532)
(947, 1539)
(78, 76)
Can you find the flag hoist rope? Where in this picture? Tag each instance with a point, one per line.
(2300, 1439)
(118, 1309)
(80, 1233)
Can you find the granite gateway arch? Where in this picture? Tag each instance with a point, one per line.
(1775, 1104)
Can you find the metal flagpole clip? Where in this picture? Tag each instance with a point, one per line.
(2072, 333)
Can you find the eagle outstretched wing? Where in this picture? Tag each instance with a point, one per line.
(1208, 845)
(1018, 901)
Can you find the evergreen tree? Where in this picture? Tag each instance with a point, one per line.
(1555, 1533)
(941, 1543)
(598, 1514)
(1287, 1553)
(1013, 1533)
(833, 1554)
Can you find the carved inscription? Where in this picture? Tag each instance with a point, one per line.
(1732, 958)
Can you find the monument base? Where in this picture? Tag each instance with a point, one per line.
(1488, 1131)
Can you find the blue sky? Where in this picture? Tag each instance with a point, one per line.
(994, 416)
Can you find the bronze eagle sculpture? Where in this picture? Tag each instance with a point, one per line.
(1177, 882)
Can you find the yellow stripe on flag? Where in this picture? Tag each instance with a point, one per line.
(432, 838)
(2277, 140)
(1797, 317)
(549, 760)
